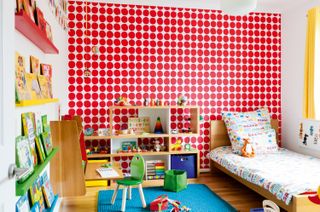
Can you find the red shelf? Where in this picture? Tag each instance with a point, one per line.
(30, 30)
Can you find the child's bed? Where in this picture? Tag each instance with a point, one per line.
(280, 177)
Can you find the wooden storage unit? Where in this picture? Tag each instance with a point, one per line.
(66, 171)
(150, 111)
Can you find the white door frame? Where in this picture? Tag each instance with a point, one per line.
(7, 104)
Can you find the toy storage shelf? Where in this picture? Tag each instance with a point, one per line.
(32, 102)
(152, 107)
(22, 188)
(150, 135)
(30, 30)
(141, 153)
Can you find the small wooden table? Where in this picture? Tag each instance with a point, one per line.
(92, 174)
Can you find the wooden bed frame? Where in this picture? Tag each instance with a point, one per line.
(219, 137)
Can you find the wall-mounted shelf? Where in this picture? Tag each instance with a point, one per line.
(32, 102)
(22, 188)
(153, 107)
(147, 135)
(30, 30)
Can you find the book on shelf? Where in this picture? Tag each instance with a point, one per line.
(24, 158)
(44, 86)
(47, 190)
(22, 204)
(28, 129)
(46, 142)
(22, 92)
(45, 125)
(34, 65)
(36, 194)
(46, 70)
(40, 149)
(33, 86)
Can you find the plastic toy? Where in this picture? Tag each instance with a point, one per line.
(146, 102)
(160, 203)
(152, 103)
(157, 146)
(182, 100)
(316, 198)
(177, 146)
(247, 149)
(174, 131)
(88, 131)
(122, 101)
(158, 127)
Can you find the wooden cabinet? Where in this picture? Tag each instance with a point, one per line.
(165, 113)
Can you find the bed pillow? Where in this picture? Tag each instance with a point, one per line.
(245, 124)
(265, 142)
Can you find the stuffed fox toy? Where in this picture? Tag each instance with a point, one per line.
(247, 149)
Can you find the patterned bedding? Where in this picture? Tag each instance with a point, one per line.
(284, 174)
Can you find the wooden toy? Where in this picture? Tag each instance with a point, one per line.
(177, 146)
(160, 203)
(247, 149)
(182, 100)
(158, 127)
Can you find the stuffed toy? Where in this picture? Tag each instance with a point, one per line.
(247, 149)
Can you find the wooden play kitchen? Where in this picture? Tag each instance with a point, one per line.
(172, 144)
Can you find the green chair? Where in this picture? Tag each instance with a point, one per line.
(137, 169)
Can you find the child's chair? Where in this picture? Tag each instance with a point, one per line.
(137, 168)
(270, 206)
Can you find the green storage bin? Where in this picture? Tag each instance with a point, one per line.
(175, 180)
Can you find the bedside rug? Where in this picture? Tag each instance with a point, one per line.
(197, 197)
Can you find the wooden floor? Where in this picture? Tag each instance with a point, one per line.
(226, 187)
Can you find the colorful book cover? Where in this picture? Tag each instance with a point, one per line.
(45, 124)
(35, 207)
(21, 83)
(36, 193)
(24, 158)
(28, 126)
(34, 65)
(46, 70)
(47, 190)
(23, 204)
(46, 141)
(45, 90)
(33, 86)
(19, 5)
(40, 150)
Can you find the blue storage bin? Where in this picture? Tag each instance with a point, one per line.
(186, 162)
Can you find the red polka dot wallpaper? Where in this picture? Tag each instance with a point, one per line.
(218, 62)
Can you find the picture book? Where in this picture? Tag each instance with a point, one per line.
(36, 194)
(43, 82)
(34, 65)
(35, 207)
(309, 134)
(46, 141)
(23, 204)
(46, 70)
(47, 190)
(48, 31)
(21, 83)
(40, 21)
(45, 124)
(38, 121)
(19, 5)
(28, 126)
(40, 149)
(33, 86)
(28, 9)
(24, 158)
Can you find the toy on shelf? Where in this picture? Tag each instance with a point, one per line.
(158, 127)
(88, 131)
(187, 147)
(146, 102)
(174, 131)
(177, 146)
(157, 146)
(182, 100)
(103, 132)
(152, 102)
(122, 101)
(159, 204)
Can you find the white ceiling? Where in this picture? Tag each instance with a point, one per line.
(273, 6)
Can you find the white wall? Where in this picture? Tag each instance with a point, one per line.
(59, 64)
(294, 25)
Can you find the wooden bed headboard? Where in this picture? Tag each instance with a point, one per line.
(219, 135)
